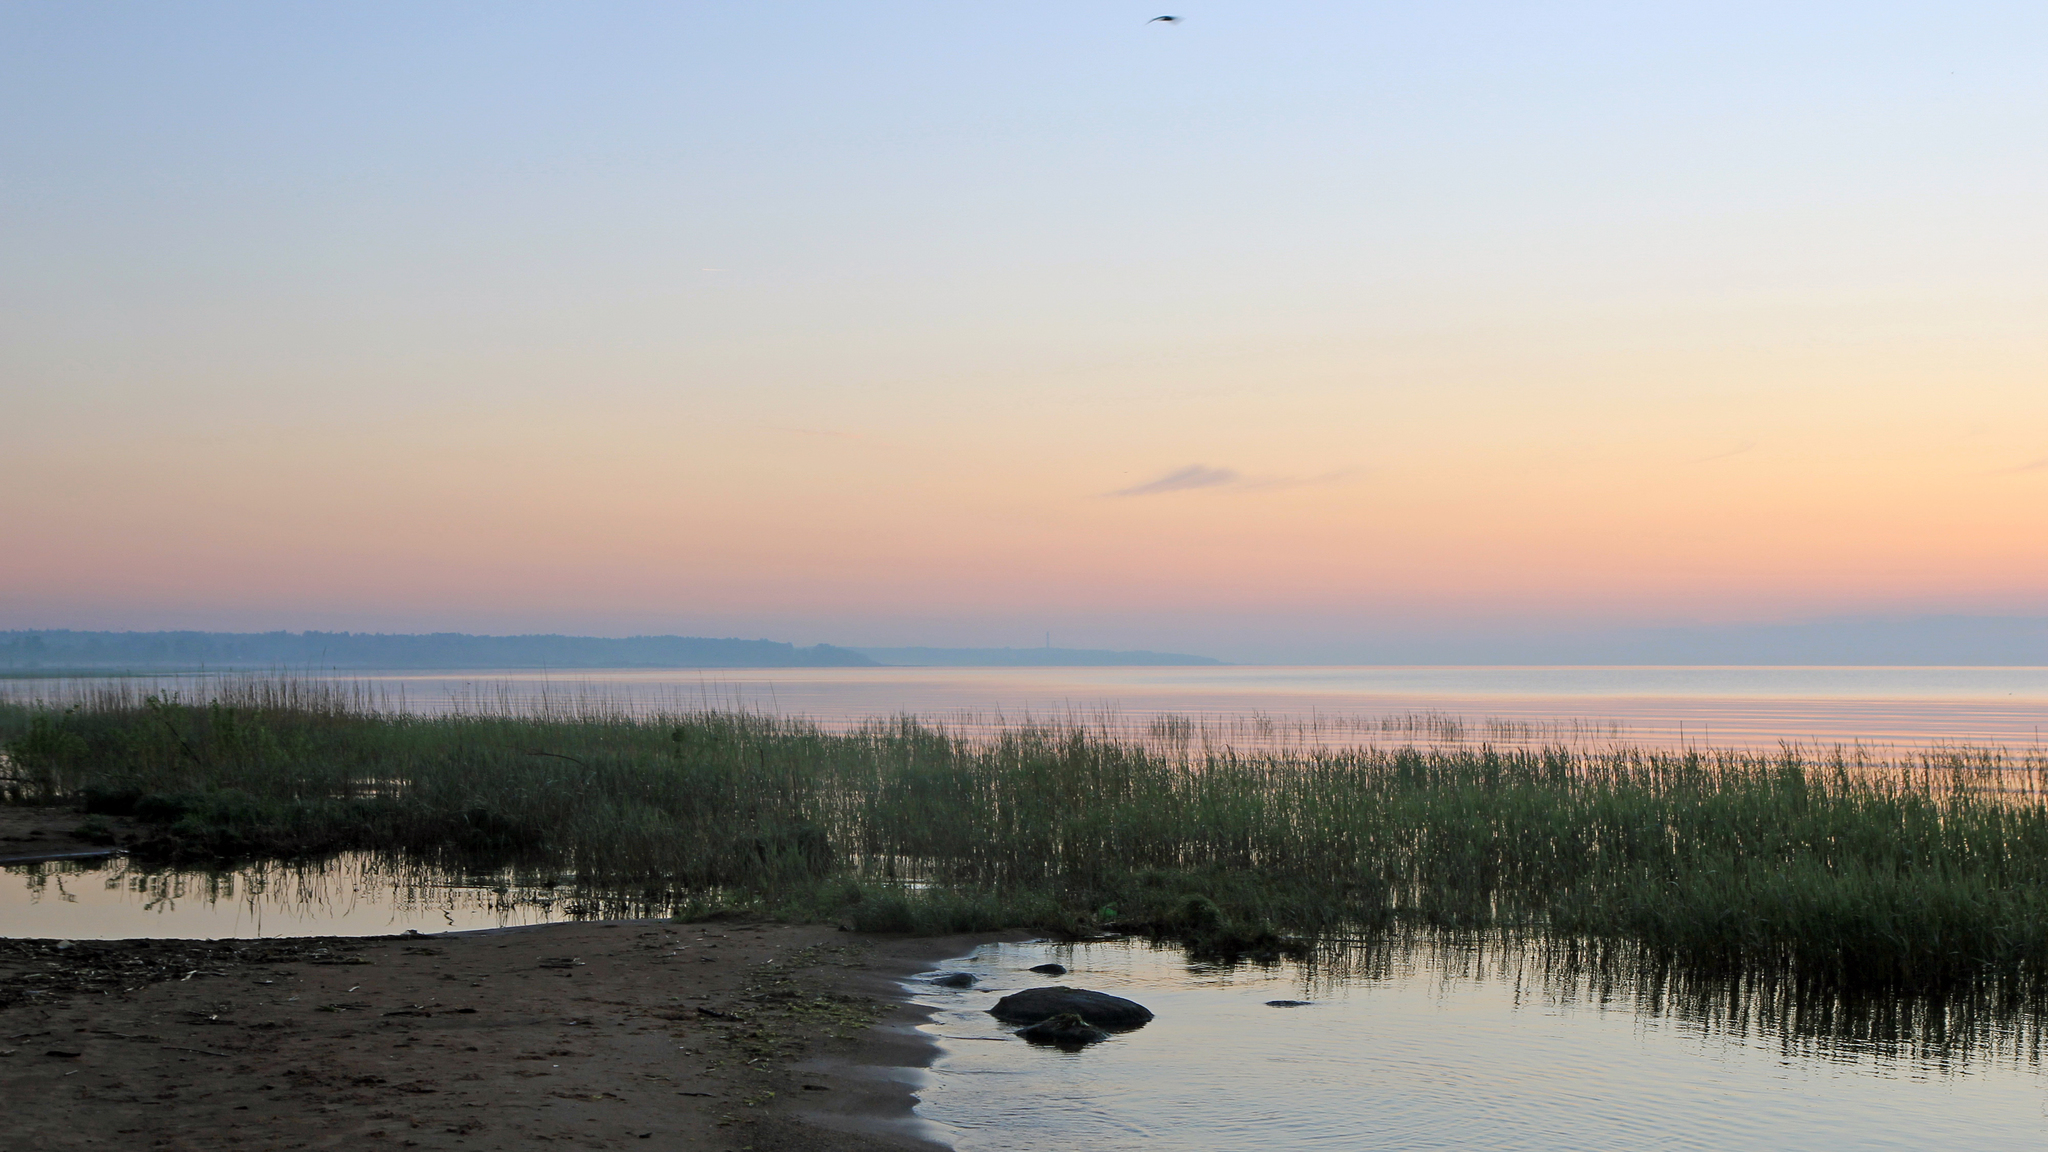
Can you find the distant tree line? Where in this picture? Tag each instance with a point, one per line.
(1028, 658)
(65, 649)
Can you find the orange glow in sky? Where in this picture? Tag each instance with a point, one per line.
(893, 328)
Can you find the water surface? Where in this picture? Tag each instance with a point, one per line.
(1689, 706)
(1404, 1044)
(1421, 1049)
(353, 894)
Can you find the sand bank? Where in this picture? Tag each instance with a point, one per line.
(630, 1034)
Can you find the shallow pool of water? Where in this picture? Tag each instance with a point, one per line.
(1427, 1049)
(354, 894)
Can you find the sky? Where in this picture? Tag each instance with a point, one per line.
(1271, 332)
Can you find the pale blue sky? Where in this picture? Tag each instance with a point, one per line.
(836, 322)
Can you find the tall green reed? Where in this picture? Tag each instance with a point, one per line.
(1909, 871)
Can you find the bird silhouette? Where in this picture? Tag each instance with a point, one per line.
(1167, 19)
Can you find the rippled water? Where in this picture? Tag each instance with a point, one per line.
(1692, 706)
(354, 894)
(1426, 1049)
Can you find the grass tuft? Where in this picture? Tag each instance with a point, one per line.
(1900, 874)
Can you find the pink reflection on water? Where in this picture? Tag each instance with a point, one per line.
(1246, 707)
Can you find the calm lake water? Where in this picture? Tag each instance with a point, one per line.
(354, 894)
(1693, 706)
(1416, 1048)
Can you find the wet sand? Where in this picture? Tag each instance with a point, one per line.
(629, 1034)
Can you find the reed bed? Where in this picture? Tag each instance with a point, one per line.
(1911, 871)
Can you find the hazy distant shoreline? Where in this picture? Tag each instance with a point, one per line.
(1030, 658)
(1843, 641)
(65, 651)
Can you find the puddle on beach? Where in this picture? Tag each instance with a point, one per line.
(1417, 1048)
(354, 894)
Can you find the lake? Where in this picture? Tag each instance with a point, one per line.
(1419, 1046)
(1708, 707)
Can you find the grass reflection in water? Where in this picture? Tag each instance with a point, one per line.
(1959, 1026)
(349, 893)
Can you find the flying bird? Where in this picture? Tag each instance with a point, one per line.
(1167, 19)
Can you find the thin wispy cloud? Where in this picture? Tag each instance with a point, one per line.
(2030, 466)
(1181, 480)
(1268, 483)
(1227, 480)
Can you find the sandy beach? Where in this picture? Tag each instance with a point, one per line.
(629, 1034)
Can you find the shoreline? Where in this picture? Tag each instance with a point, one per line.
(643, 1034)
(38, 833)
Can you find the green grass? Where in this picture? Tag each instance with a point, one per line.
(1902, 875)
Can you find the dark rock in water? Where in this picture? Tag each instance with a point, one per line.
(1066, 1030)
(954, 980)
(1097, 1008)
(1050, 969)
(1288, 1003)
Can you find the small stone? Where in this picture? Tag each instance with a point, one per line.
(954, 980)
(1049, 969)
(1066, 1030)
(1099, 1009)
